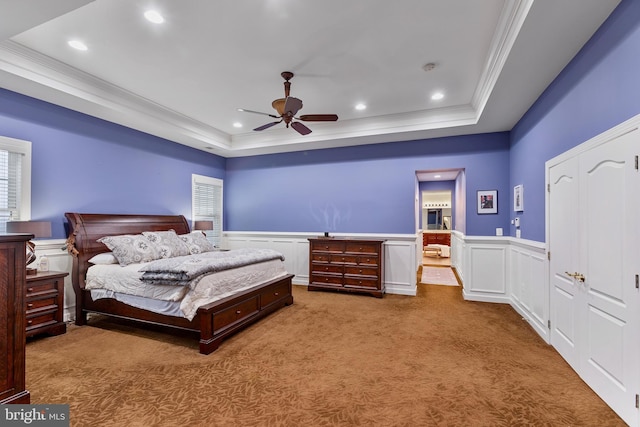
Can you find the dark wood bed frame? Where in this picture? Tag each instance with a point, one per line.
(214, 322)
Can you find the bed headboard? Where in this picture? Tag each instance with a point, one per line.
(86, 229)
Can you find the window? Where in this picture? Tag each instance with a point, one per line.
(206, 199)
(15, 181)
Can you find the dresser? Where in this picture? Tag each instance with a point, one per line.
(347, 265)
(12, 318)
(44, 296)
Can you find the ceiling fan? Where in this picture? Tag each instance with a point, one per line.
(287, 109)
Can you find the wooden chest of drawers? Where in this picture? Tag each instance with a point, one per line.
(347, 265)
(44, 303)
(12, 339)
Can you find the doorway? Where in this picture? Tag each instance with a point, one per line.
(436, 224)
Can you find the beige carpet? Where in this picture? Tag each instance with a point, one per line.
(438, 276)
(328, 360)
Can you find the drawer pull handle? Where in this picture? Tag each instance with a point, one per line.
(276, 294)
(29, 289)
(29, 322)
(238, 312)
(30, 305)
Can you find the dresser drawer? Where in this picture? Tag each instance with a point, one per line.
(368, 260)
(41, 287)
(42, 318)
(272, 295)
(361, 282)
(335, 280)
(361, 271)
(36, 304)
(355, 246)
(235, 313)
(328, 246)
(320, 257)
(343, 259)
(326, 268)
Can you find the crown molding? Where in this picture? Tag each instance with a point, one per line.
(42, 77)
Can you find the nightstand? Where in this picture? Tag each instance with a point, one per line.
(45, 303)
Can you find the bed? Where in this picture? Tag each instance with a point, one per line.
(436, 243)
(214, 321)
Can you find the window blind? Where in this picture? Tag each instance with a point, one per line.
(10, 187)
(207, 204)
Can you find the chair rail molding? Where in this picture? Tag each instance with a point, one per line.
(400, 264)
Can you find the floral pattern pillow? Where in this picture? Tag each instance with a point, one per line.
(197, 242)
(131, 248)
(168, 242)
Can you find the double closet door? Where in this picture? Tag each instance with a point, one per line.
(594, 217)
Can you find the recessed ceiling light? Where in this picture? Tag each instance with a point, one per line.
(361, 106)
(77, 44)
(237, 125)
(437, 96)
(154, 16)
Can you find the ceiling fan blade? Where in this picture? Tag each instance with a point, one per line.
(244, 110)
(292, 105)
(302, 129)
(319, 117)
(268, 125)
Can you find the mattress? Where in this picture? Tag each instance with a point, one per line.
(124, 284)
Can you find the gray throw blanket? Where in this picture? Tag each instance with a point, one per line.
(182, 270)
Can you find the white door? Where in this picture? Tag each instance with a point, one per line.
(593, 218)
(563, 245)
(609, 261)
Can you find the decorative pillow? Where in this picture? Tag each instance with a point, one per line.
(131, 248)
(197, 242)
(168, 242)
(104, 259)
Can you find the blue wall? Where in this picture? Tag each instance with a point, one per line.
(83, 164)
(599, 89)
(362, 189)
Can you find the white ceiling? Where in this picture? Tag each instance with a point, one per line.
(185, 79)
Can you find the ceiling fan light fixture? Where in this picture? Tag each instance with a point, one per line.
(278, 105)
(287, 109)
(361, 106)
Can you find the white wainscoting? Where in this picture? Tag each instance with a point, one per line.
(59, 260)
(505, 270)
(492, 269)
(400, 254)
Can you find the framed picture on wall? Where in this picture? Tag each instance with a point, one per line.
(488, 201)
(518, 198)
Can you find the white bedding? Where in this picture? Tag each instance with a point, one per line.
(126, 282)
